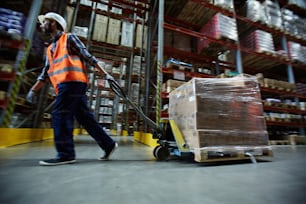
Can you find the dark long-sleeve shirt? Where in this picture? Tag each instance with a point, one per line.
(75, 47)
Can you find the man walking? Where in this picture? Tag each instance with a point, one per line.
(66, 70)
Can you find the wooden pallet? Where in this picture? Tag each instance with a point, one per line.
(214, 154)
(297, 139)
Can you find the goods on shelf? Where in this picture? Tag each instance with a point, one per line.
(137, 69)
(99, 30)
(273, 13)
(300, 88)
(300, 27)
(254, 10)
(171, 84)
(80, 31)
(177, 64)
(276, 84)
(12, 21)
(225, 4)
(219, 27)
(293, 24)
(127, 34)
(259, 41)
(114, 29)
(288, 104)
(134, 93)
(219, 112)
(141, 31)
(297, 52)
(6, 68)
(2, 95)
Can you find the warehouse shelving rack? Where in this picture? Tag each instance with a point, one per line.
(265, 61)
(23, 44)
(116, 54)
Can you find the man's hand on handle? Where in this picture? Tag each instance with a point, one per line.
(31, 97)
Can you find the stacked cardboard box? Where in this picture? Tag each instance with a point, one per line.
(297, 52)
(219, 27)
(259, 41)
(114, 30)
(100, 28)
(141, 32)
(273, 13)
(219, 112)
(171, 84)
(127, 34)
(226, 4)
(255, 11)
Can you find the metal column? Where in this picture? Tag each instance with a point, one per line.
(159, 59)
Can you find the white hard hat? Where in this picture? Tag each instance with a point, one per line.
(53, 16)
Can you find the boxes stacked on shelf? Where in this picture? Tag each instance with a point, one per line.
(2, 95)
(6, 67)
(12, 21)
(134, 93)
(283, 117)
(259, 41)
(114, 29)
(127, 34)
(172, 63)
(103, 6)
(80, 31)
(225, 4)
(297, 52)
(255, 11)
(219, 27)
(171, 84)
(138, 66)
(215, 112)
(289, 21)
(83, 2)
(273, 14)
(141, 33)
(300, 27)
(300, 88)
(275, 84)
(99, 30)
(293, 24)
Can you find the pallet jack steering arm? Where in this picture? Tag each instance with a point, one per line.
(158, 132)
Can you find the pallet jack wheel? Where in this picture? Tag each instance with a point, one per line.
(161, 153)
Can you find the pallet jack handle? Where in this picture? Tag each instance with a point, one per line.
(118, 91)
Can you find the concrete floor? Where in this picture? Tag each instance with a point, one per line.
(134, 176)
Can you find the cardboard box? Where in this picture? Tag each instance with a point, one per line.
(114, 30)
(219, 112)
(141, 32)
(219, 27)
(100, 28)
(171, 84)
(127, 36)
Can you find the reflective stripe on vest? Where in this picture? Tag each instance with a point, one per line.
(64, 67)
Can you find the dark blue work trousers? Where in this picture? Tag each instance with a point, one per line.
(71, 102)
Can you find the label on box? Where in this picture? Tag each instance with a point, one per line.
(178, 75)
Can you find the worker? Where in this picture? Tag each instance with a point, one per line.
(65, 68)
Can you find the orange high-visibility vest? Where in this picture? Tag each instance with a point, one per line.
(65, 67)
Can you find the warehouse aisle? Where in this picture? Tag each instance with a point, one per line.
(133, 176)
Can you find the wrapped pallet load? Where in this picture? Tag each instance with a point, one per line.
(219, 114)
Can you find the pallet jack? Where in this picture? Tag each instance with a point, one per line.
(169, 137)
